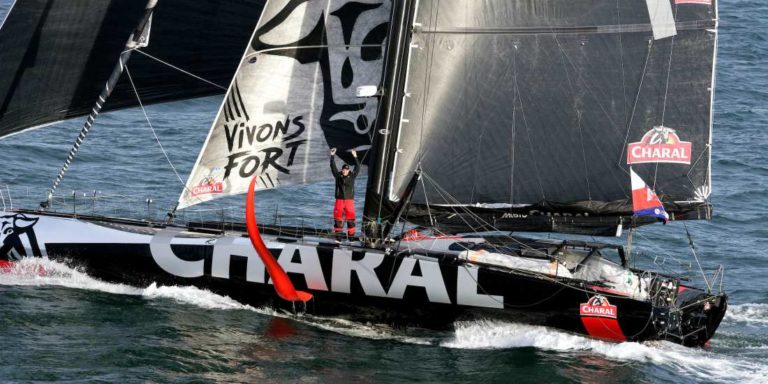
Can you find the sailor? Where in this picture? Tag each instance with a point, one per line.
(345, 194)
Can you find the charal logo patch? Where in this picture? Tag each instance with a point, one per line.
(13, 228)
(208, 185)
(660, 145)
(598, 306)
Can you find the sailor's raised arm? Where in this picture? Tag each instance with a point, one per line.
(334, 170)
(357, 163)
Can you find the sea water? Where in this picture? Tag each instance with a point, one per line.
(67, 326)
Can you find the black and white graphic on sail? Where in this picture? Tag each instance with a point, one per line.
(294, 97)
(534, 105)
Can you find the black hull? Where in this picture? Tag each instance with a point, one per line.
(529, 298)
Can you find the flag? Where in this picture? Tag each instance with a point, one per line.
(644, 200)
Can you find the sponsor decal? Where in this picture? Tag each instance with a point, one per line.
(660, 145)
(208, 185)
(598, 306)
(367, 270)
(599, 319)
(14, 228)
(269, 148)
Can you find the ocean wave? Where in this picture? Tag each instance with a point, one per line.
(45, 272)
(480, 334)
(696, 363)
(750, 314)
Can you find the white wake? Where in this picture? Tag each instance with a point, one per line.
(749, 314)
(697, 363)
(44, 272)
(489, 335)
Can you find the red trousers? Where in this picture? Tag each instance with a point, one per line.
(342, 208)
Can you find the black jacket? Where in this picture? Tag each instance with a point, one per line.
(345, 185)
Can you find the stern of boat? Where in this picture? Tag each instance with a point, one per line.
(700, 314)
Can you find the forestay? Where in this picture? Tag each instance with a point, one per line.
(540, 106)
(294, 97)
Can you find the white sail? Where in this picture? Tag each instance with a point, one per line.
(294, 97)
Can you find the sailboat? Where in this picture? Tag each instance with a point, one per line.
(476, 121)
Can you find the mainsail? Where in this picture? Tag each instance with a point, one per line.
(532, 111)
(294, 97)
(58, 54)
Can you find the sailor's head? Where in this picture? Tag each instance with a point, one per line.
(345, 169)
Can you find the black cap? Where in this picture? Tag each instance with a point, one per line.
(345, 166)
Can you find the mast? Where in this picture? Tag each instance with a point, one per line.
(138, 39)
(377, 205)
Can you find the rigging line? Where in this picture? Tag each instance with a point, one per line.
(669, 72)
(696, 257)
(427, 78)
(693, 165)
(658, 249)
(316, 46)
(426, 201)
(181, 70)
(530, 142)
(514, 130)
(584, 157)
(579, 79)
(448, 199)
(149, 123)
(471, 214)
(664, 104)
(114, 77)
(578, 120)
(637, 99)
(621, 58)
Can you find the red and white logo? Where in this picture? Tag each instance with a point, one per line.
(660, 145)
(598, 306)
(207, 186)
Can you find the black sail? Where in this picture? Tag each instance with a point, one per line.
(58, 54)
(531, 112)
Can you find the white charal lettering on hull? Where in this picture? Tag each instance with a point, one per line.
(160, 246)
(305, 261)
(431, 279)
(365, 268)
(308, 265)
(466, 290)
(223, 252)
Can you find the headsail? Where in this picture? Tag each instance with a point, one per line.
(534, 109)
(58, 54)
(294, 97)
